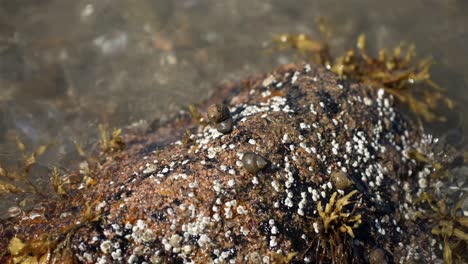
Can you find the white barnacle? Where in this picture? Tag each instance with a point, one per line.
(106, 246)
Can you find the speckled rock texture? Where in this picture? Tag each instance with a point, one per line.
(164, 201)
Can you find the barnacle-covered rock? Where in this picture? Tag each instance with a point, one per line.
(166, 202)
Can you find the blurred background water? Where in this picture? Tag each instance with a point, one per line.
(68, 65)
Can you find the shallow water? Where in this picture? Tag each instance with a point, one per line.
(66, 66)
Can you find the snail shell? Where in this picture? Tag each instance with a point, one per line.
(253, 163)
(340, 180)
(225, 126)
(218, 112)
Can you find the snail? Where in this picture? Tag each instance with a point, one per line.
(253, 163)
(340, 180)
(225, 126)
(219, 114)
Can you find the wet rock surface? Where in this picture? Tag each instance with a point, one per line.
(162, 201)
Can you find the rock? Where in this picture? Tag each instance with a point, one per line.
(200, 205)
